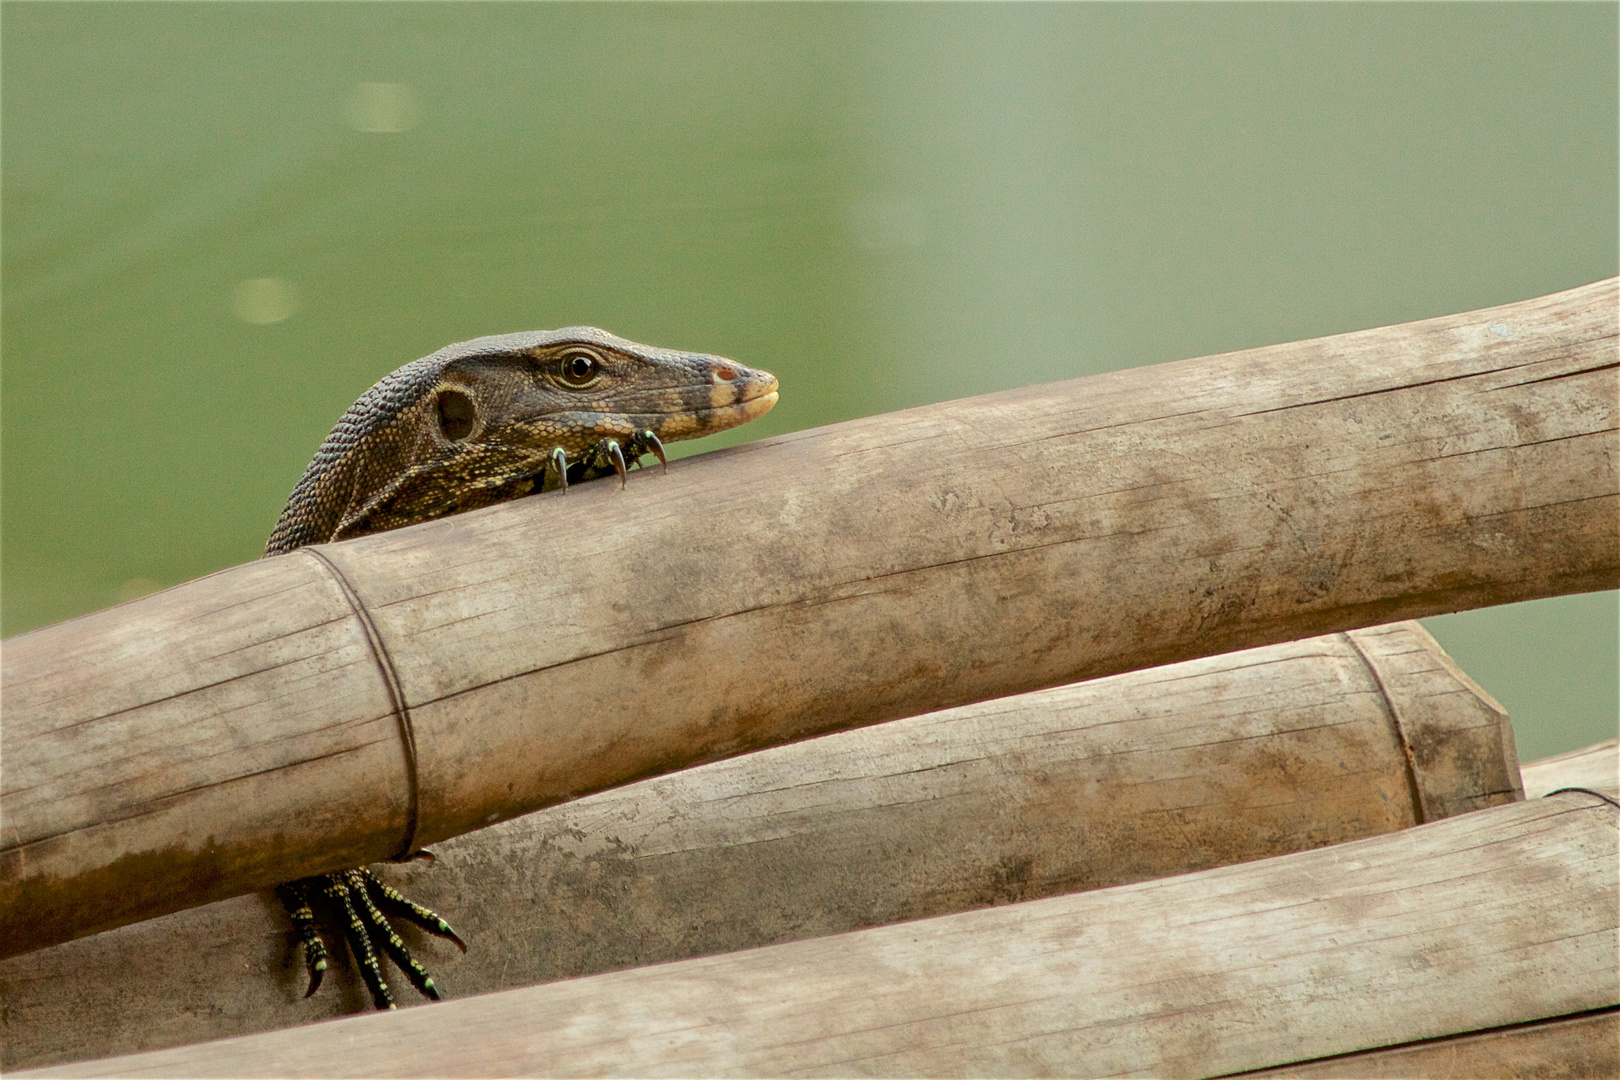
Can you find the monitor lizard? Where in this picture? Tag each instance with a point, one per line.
(475, 424)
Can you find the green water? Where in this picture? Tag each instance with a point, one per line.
(221, 223)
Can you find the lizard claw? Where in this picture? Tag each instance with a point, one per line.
(616, 456)
(654, 447)
(559, 465)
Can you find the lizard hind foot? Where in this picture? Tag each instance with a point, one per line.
(363, 904)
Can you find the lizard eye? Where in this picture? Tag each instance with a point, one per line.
(580, 369)
(456, 414)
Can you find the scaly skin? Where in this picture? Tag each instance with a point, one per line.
(474, 424)
(480, 422)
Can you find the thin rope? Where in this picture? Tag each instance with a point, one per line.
(390, 678)
(1585, 791)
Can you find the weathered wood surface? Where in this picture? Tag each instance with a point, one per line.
(1143, 775)
(239, 730)
(1487, 919)
(1570, 1048)
(1596, 767)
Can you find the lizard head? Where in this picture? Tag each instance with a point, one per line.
(480, 422)
(574, 387)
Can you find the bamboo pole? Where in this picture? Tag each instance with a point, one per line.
(314, 711)
(1137, 776)
(1498, 917)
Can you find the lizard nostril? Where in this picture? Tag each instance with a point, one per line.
(724, 373)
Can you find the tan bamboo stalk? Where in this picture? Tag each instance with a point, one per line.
(1498, 917)
(313, 711)
(1142, 775)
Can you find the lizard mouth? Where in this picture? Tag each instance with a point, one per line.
(736, 396)
(719, 417)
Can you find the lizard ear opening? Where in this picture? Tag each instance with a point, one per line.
(456, 414)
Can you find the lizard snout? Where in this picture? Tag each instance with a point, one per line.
(731, 384)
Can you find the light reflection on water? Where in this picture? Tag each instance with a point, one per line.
(381, 108)
(265, 300)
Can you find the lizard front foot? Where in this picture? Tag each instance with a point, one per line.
(613, 455)
(359, 900)
(608, 455)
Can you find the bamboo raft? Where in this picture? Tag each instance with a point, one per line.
(1083, 857)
